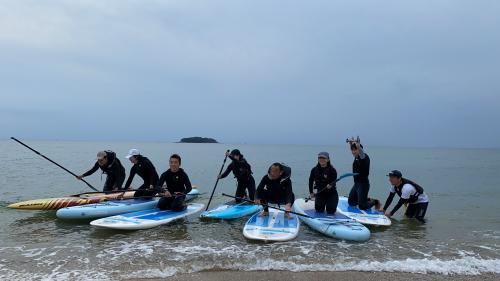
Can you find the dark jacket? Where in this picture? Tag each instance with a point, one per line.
(241, 169)
(176, 182)
(321, 177)
(114, 169)
(362, 167)
(145, 169)
(276, 191)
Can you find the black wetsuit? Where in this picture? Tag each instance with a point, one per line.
(242, 171)
(175, 182)
(278, 191)
(146, 170)
(359, 192)
(114, 170)
(325, 198)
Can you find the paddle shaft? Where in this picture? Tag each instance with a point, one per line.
(53, 162)
(341, 177)
(217, 181)
(265, 205)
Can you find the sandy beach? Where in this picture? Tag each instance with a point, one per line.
(320, 276)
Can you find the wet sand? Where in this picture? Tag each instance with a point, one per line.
(320, 276)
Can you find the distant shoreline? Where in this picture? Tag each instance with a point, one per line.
(198, 140)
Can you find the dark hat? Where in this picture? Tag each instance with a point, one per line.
(324, 155)
(395, 173)
(235, 152)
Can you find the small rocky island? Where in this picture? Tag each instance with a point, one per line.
(198, 140)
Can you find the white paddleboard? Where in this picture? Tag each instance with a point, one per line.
(145, 219)
(367, 217)
(274, 227)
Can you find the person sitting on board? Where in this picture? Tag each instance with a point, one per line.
(275, 188)
(146, 170)
(361, 165)
(174, 184)
(112, 167)
(242, 171)
(410, 193)
(323, 178)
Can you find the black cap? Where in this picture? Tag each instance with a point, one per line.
(235, 152)
(395, 173)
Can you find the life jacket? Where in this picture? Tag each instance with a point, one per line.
(413, 198)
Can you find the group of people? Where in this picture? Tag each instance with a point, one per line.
(275, 187)
(172, 185)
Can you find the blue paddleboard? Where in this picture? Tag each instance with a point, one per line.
(231, 210)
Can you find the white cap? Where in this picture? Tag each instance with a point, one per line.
(133, 152)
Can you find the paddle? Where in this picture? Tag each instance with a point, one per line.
(217, 181)
(113, 192)
(265, 205)
(331, 221)
(88, 184)
(341, 177)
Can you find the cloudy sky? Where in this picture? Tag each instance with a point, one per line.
(406, 73)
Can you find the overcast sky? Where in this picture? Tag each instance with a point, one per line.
(406, 73)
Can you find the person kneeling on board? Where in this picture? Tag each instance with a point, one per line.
(112, 167)
(361, 166)
(410, 193)
(243, 173)
(174, 184)
(323, 178)
(146, 170)
(276, 188)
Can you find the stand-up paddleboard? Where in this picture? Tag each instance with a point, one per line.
(231, 210)
(111, 208)
(274, 227)
(367, 217)
(336, 225)
(145, 219)
(74, 200)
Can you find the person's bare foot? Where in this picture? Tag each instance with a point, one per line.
(377, 204)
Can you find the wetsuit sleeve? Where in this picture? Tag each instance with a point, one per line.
(362, 154)
(187, 184)
(311, 181)
(91, 171)
(130, 177)
(228, 170)
(400, 203)
(289, 192)
(260, 188)
(389, 200)
(163, 179)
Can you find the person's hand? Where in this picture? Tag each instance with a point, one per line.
(358, 140)
(219, 177)
(388, 214)
(167, 194)
(178, 193)
(381, 210)
(227, 153)
(311, 195)
(79, 177)
(115, 188)
(151, 186)
(288, 208)
(257, 201)
(329, 186)
(129, 188)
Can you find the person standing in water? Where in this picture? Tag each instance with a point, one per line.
(323, 178)
(410, 193)
(174, 184)
(146, 170)
(112, 167)
(275, 188)
(361, 166)
(242, 171)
